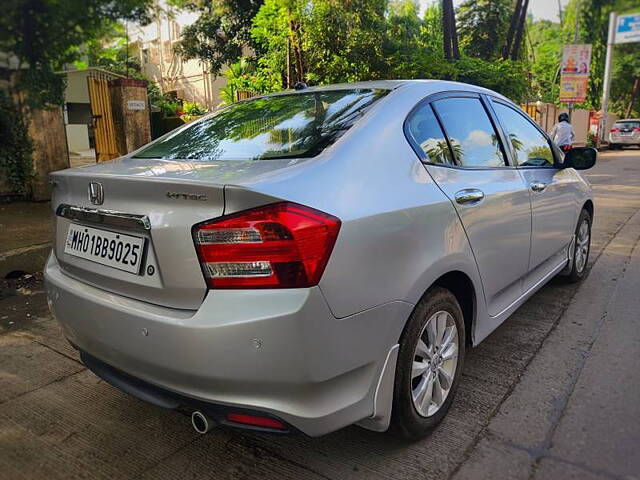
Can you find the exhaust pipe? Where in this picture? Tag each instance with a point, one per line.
(201, 422)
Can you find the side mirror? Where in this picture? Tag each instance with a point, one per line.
(580, 158)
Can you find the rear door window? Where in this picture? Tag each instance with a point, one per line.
(471, 135)
(425, 131)
(278, 126)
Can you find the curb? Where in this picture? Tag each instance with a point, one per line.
(25, 259)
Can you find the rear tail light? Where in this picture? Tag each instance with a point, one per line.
(636, 129)
(284, 245)
(614, 130)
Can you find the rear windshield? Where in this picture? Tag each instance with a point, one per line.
(279, 126)
(628, 124)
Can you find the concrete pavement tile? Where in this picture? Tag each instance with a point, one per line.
(26, 365)
(550, 469)
(528, 416)
(227, 456)
(601, 425)
(354, 453)
(492, 459)
(27, 456)
(105, 430)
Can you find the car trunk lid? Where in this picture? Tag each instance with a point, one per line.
(152, 201)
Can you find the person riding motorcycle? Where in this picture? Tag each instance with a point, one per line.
(562, 133)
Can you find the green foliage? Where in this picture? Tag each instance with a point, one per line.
(482, 27)
(169, 107)
(15, 154)
(405, 32)
(245, 75)
(270, 33)
(504, 76)
(191, 110)
(42, 36)
(625, 86)
(109, 51)
(546, 39)
(220, 33)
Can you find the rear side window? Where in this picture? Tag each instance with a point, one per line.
(530, 146)
(278, 126)
(426, 132)
(471, 135)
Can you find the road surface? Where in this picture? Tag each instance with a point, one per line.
(553, 393)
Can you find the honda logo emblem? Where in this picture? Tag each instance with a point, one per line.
(96, 193)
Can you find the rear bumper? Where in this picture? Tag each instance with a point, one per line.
(275, 351)
(624, 139)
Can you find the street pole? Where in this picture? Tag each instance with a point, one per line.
(613, 17)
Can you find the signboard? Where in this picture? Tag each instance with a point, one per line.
(574, 73)
(628, 28)
(136, 104)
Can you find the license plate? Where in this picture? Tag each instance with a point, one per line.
(626, 133)
(116, 250)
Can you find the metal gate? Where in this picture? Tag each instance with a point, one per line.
(102, 116)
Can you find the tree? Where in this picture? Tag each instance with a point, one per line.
(327, 42)
(42, 36)
(220, 34)
(110, 51)
(519, 33)
(450, 35)
(482, 27)
(514, 25)
(625, 85)
(546, 42)
(404, 32)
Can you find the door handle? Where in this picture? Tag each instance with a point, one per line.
(469, 196)
(537, 186)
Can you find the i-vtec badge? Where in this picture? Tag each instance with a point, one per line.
(187, 196)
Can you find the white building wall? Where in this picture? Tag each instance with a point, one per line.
(189, 79)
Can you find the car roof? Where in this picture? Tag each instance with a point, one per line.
(628, 120)
(421, 87)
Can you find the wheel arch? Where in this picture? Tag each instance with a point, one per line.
(461, 286)
(588, 206)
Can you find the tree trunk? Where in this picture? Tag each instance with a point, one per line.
(515, 18)
(520, 30)
(635, 90)
(446, 29)
(450, 33)
(299, 75)
(454, 32)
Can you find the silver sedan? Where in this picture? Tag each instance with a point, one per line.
(308, 260)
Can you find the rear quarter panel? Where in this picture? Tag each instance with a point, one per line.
(399, 231)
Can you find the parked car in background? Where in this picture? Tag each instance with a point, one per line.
(625, 133)
(308, 260)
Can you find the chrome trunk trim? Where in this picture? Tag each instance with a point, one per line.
(109, 218)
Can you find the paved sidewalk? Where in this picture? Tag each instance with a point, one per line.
(26, 230)
(575, 412)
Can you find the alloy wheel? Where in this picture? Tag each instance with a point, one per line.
(582, 245)
(434, 363)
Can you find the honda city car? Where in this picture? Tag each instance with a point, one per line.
(311, 259)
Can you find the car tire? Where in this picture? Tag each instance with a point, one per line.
(414, 416)
(581, 249)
